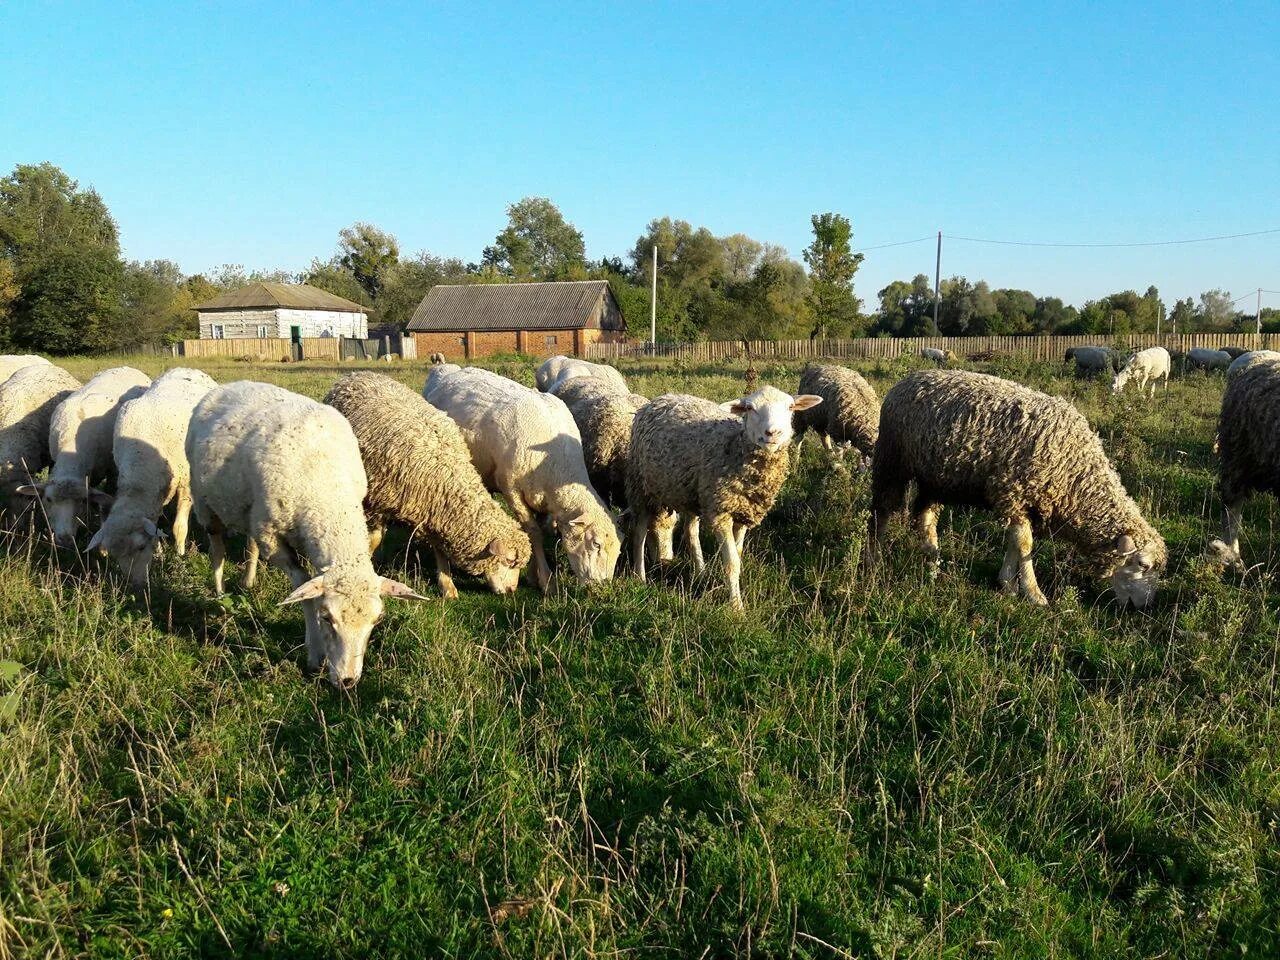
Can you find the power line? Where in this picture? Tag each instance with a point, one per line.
(1153, 243)
(900, 243)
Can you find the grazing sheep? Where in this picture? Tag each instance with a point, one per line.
(420, 474)
(849, 413)
(80, 435)
(149, 449)
(527, 447)
(437, 357)
(11, 363)
(1203, 358)
(1234, 352)
(438, 370)
(723, 467)
(1246, 360)
(938, 355)
(969, 438)
(1091, 361)
(27, 401)
(1248, 447)
(604, 419)
(1145, 366)
(286, 472)
(556, 370)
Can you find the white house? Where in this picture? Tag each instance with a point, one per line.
(288, 311)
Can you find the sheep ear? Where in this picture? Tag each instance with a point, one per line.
(95, 542)
(578, 522)
(308, 591)
(495, 547)
(151, 530)
(31, 489)
(398, 590)
(740, 407)
(805, 401)
(100, 499)
(1125, 544)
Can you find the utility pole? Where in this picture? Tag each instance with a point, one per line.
(937, 283)
(1159, 318)
(1259, 313)
(653, 300)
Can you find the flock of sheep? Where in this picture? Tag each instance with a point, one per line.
(312, 486)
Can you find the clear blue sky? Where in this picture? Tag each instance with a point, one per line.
(238, 133)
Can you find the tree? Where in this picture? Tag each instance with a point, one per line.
(42, 209)
(537, 244)
(156, 304)
(1216, 312)
(71, 302)
(740, 255)
(367, 253)
(1182, 318)
(832, 265)
(408, 282)
(335, 277)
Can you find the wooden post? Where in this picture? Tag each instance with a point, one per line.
(468, 345)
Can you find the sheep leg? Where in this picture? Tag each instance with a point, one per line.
(1018, 557)
(827, 442)
(693, 534)
(250, 576)
(528, 520)
(887, 498)
(664, 535)
(376, 533)
(1231, 521)
(639, 537)
(283, 557)
(182, 522)
(927, 526)
(444, 575)
(217, 554)
(723, 528)
(740, 536)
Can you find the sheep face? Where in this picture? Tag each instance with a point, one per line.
(67, 504)
(593, 547)
(131, 549)
(503, 564)
(346, 606)
(767, 416)
(1122, 378)
(1136, 578)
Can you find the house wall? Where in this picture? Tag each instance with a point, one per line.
(533, 343)
(240, 324)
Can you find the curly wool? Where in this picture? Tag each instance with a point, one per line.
(604, 417)
(558, 370)
(689, 455)
(83, 425)
(970, 438)
(27, 401)
(11, 363)
(849, 412)
(420, 473)
(1249, 432)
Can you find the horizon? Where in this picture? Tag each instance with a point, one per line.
(1103, 126)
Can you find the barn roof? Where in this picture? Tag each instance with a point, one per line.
(566, 305)
(293, 296)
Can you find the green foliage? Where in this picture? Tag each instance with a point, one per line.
(71, 300)
(368, 254)
(832, 265)
(537, 244)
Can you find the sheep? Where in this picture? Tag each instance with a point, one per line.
(849, 413)
(1248, 448)
(1091, 361)
(27, 401)
(527, 448)
(722, 467)
(604, 419)
(149, 450)
(420, 474)
(1248, 359)
(1145, 366)
(437, 357)
(1234, 352)
(970, 438)
(938, 355)
(437, 370)
(286, 472)
(1203, 358)
(80, 437)
(11, 363)
(556, 370)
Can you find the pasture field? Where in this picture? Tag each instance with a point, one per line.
(865, 764)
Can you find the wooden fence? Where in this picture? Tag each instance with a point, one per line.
(269, 348)
(889, 348)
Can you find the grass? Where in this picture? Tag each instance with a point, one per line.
(867, 765)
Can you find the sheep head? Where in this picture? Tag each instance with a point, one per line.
(766, 415)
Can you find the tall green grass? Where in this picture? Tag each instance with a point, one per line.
(864, 764)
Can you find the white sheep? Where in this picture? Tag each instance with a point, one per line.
(286, 472)
(1248, 359)
(721, 466)
(80, 435)
(556, 370)
(27, 401)
(11, 363)
(527, 447)
(149, 449)
(937, 355)
(1204, 358)
(1146, 366)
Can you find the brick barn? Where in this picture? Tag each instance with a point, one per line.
(465, 321)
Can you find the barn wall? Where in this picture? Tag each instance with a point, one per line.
(450, 344)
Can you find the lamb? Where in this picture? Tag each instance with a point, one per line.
(11, 363)
(937, 355)
(1248, 448)
(80, 437)
(1091, 361)
(27, 401)
(556, 370)
(286, 472)
(1203, 358)
(604, 419)
(149, 450)
(849, 413)
(1145, 366)
(722, 467)
(1248, 359)
(527, 447)
(963, 437)
(420, 474)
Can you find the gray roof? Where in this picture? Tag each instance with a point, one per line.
(269, 296)
(568, 305)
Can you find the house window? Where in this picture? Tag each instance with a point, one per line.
(551, 341)
(218, 332)
(263, 333)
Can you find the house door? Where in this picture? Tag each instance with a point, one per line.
(295, 340)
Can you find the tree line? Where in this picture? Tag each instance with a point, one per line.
(65, 288)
